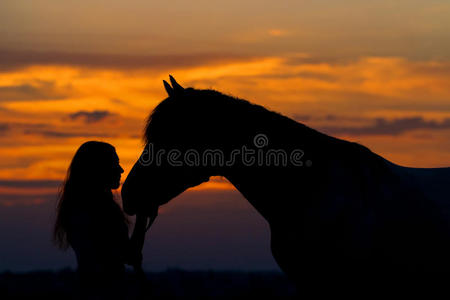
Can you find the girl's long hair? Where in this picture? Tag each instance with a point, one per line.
(86, 180)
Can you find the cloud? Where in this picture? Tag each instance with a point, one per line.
(40, 90)
(18, 183)
(90, 117)
(398, 126)
(23, 125)
(303, 75)
(301, 117)
(27, 192)
(327, 117)
(48, 129)
(66, 134)
(4, 127)
(11, 60)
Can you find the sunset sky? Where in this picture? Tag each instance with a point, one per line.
(374, 72)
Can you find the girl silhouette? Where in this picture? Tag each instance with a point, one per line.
(93, 224)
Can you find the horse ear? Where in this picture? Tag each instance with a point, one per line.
(168, 88)
(176, 87)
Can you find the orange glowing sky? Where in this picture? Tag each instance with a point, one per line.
(373, 72)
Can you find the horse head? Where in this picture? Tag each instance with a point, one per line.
(159, 175)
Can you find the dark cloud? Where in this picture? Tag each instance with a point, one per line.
(398, 126)
(7, 127)
(329, 117)
(39, 90)
(303, 74)
(437, 68)
(19, 162)
(301, 118)
(30, 183)
(48, 130)
(332, 117)
(90, 117)
(22, 194)
(66, 134)
(117, 100)
(22, 125)
(13, 60)
(4, 127)
(320, 59)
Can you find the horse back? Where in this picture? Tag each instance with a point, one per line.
(433, 184)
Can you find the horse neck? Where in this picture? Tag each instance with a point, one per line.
(269, 189)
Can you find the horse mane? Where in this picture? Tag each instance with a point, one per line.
(197, 103)
(217, 101)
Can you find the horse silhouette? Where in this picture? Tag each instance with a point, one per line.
(343, 219)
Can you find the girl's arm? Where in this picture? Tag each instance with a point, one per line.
(137, 241)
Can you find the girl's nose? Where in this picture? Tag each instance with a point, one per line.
(121, 170)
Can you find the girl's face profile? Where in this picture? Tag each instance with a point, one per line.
(116, 171)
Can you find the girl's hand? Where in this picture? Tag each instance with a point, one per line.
(134, 255)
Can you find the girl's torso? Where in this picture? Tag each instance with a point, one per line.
(98, 234)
